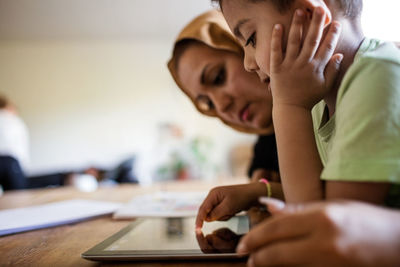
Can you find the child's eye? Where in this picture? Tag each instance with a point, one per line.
(252, 40)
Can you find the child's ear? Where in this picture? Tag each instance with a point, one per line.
(310, 5)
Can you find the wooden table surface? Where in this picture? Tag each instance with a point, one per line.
(63, 245)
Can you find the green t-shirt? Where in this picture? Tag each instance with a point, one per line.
(361, 142)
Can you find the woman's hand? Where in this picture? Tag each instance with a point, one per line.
(325, 234)
(304, 74)
(224, 202)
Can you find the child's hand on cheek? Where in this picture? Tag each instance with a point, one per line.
(305, 74)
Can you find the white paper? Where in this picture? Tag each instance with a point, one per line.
(162, 204)
(53, 214)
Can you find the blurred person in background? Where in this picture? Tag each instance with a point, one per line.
(207, 65)
(14, 147)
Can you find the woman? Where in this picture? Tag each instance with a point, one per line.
(207, 66)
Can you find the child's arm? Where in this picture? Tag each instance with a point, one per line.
(224, 202)
(299, 80)
(368, 192)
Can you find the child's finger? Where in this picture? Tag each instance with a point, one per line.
(328, 46)
(201, 215)
(332, 70)
(295, 35)
(276, 46)
(314, 35)
(204, 210)
(222, 212)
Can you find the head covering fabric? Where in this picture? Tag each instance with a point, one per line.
(211, 29)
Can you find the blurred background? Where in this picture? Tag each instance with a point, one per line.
(89, 79)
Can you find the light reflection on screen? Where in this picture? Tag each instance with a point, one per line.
(167, 234)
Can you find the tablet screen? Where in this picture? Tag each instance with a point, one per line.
(171, 238)
(171, 234)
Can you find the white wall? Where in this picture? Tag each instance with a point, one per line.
(96, 102)
(380, 19)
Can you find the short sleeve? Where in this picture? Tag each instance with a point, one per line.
(366, 141)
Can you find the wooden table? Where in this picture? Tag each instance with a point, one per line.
(63, 245)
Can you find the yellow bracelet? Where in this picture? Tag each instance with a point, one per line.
(268, 185)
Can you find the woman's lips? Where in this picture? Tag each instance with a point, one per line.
(245, 113)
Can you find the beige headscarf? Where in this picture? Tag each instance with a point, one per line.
(211, 29)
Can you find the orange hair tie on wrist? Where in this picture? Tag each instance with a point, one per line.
(268, 185)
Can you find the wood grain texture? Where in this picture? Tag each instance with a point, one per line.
(63, 245)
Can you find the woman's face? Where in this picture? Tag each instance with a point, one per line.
(217, 79)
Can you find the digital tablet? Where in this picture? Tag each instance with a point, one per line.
(172, 239)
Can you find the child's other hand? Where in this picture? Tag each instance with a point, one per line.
(224, 202)
(305, 73)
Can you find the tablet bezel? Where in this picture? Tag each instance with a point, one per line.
(98, 252)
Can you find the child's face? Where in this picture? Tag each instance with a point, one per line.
(252, 24)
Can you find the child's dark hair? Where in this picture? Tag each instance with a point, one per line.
(281, 5)
(348, 8)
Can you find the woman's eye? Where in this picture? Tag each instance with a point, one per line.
(252, 40)
(204, 103)
(220, 77)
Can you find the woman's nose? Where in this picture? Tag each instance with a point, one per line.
(222, 101)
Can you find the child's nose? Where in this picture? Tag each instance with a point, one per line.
(250, 64)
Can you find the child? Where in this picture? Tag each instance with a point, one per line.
(337, 131)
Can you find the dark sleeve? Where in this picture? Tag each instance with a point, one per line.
(11, 174)
(265, 155)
